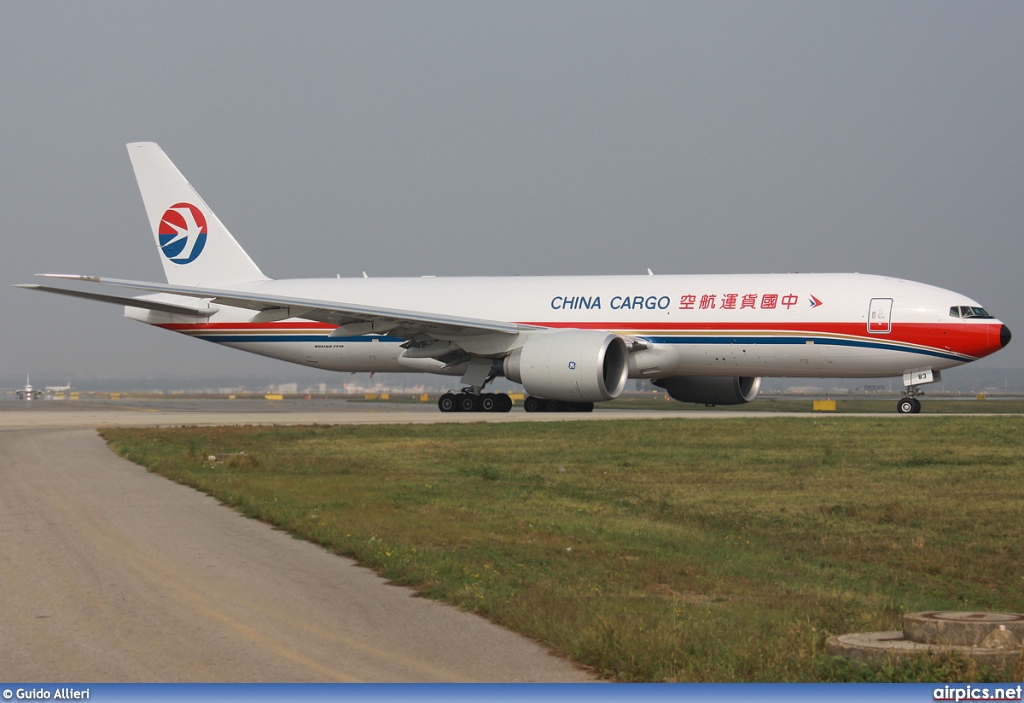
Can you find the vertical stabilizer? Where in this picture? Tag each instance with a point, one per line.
(195, 248)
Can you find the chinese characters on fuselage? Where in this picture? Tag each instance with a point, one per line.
(735, 301)
(689, 301)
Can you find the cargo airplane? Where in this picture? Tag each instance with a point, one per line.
(569, 341)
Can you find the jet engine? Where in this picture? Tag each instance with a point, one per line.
(571, 365)
(711, 390)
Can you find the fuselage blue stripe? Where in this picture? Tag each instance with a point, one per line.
(818, 341)
(320, 338)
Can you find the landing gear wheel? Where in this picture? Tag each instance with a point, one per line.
(489, 403)
(446, 403)
(504, 403)
(544, 405)
(907, 406)
(469, 403)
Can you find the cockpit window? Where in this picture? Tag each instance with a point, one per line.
(968, 312)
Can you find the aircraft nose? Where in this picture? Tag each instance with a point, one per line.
(1004, 336)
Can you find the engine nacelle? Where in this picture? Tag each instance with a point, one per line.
(711, 390)
(572, 365)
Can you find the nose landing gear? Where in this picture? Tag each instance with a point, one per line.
(912, 380)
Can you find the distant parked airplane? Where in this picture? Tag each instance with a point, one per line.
(570, 341)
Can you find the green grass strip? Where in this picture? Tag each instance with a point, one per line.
(652, 550)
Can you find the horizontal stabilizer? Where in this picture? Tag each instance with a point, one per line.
(129, 302)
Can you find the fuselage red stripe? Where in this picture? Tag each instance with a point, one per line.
(974, 340)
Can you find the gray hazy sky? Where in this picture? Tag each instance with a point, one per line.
(449, 138)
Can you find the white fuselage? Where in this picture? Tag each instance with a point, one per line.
(810, 325)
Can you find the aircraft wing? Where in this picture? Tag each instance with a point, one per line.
(351, 319)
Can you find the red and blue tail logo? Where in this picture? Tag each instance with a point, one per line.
(182, 233)
(815, 302)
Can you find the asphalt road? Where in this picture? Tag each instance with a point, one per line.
(111, 574)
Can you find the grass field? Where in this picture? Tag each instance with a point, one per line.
(931, 405)
(653, 550)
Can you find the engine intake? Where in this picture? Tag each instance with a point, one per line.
(571, 365)
(711, 390)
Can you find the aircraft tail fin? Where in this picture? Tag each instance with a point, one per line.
(196, 249)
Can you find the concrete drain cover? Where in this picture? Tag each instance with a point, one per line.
(994, 639)
(989, 630)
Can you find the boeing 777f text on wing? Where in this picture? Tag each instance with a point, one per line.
(570, 341)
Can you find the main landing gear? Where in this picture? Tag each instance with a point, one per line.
(474, 403)
(541, 405)
(469, 402)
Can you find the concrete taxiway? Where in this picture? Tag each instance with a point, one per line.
(115, 574)
(135, 412)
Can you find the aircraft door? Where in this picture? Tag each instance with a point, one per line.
(880, 316)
